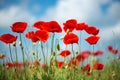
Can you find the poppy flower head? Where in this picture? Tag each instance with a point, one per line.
(53, 26)
(98, 66)
(60, 64)
(36, 63)
(92, 40)
(70, 38)
(83, 55)
(92, 30)
(86, 68)
(42, 35)
(2, 56)
(98, 53)
(19, 27)
(8, 38)
(70, 25)
(39, 25)
(31, 35)
(65, 53)
(74, 62)
(110, 48)
(81, 26)
(17, 64)
(9, 65)
(115, 51)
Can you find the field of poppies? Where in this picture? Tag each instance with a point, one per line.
(76, 64)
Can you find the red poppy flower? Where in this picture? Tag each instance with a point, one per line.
(81, 26)
(53, 26)
(74, 62)
(18, 64)
(70, 38)
(70, 25)
(86, 68)
(92, 30)
(92, 39)
(110, 48)
(9, 65)
(44, 66)
(60, 64)
(19, 27)
(65, 53)
(8, 38)
(36, 63)
(83, 55)
(98, 53)
(42, 35)
(98, 66)
(115, 51)
(2, 56)
(31, 35)
(39, 25)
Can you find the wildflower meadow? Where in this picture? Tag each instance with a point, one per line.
(76, 64)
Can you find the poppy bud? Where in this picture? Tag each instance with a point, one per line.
(14, 44)
(54, 53)
(76, 51)
(39, 59)
(58, 47)
(20, 43)
(33, 52)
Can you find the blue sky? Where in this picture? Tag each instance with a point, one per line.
(104, 14)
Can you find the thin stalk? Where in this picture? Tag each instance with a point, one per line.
(80, 42)
(43, 51)
(92, 59)
(52, 44)
(16, 53)
(73, 50)
(23, 57)
(10, 53)
(22, 48)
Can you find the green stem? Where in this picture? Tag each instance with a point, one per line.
(22, 48)
(43, 51)
(80, 41)
(52, 43)
(73, 50)
(16, 53)
(10, 53)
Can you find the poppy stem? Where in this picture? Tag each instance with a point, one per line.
(73, 50)
(22, 48)
(43, 51)
(52, 44)
(16, 52)
(80, 42)
(10, 53)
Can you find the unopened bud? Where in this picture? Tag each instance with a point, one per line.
(58, 47)
(33, 52)
(54, 53)
(20, 43)
(14, 44)
(39, 59)
(76, 51)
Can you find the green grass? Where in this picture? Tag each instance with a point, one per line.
(110, 72)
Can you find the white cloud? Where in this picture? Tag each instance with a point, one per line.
(111, 32)
(90, 12)
(12, 14)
